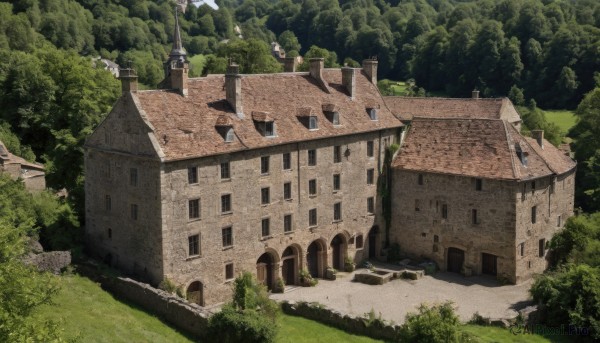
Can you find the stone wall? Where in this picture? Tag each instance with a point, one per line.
(376, 329)
(176, 311)
(53, 261)
(245, 185)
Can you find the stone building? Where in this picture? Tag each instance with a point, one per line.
(476, 197)
(216, 175)
(32, 174)
(278, 173)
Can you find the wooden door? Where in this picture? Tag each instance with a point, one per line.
(456, 258)
(489, 264)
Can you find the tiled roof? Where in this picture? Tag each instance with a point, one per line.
(484, 148)
(185, 126)
(6, 157)
(406, 108)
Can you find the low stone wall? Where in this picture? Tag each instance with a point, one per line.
(186, 316)
(53, 261)
(376, 328)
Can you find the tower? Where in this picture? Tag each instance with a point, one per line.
(177, 65)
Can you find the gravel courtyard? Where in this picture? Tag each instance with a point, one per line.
(398, 297)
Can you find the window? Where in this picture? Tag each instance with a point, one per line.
(312, 123)
(264, 165)
(337, 211)
(266, 227)
(287, 161)
(336, 118)
(312, 157)
(229, 271)
(312, 187)
(312, 217)
(227, 235)
(478, 184)
(370, 205)
(337, 154)
(372, 113)
(336, 182)
(417, 205)
(107, 203)
(532, 185)
(194, 208)
(229, 135)
(133, 177)
(194, 245)
(109, 233)
(474, 218)
(369, 148)
(559, 221)
(192, 175)
(265, 196)
(420, 181)
(370, 176)
(287, 223)
(542, 247)
(533, 214)
(225, 172)
(269, 129)
(287, 191)
(445, 211)
(359, 242)
(225, 203)
(134, 211)
(522, 249)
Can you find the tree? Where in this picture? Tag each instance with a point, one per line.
(516, 96)
(437, 323)
(330, 57)
(289, 41)
(253, 56)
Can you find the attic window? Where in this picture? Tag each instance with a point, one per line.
(224, 126)
(372, 113)
(264, 123)
(312, 123)
(522, 155)
(229, 135)
(331, 113)
(269, 129)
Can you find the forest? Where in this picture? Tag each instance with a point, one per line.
(542, 53)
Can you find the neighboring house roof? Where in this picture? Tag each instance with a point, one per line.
(483, 148)
(186, 127)
(406, 108)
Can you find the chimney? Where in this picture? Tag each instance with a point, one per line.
(179, 78)
(475, 94)
(370, 68)
(233, 89)
(349, 81)
(539, 137)
(316, 72)
(129, 80)
(289, 64)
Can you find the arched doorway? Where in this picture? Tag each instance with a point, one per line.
(315, 258)
(373, 233)
(266, 269)
(456, 258)
(290, 260)
(194, 293)
(338, 247)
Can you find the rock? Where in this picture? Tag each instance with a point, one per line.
(53, 261)
(35, 246)
(501, 323)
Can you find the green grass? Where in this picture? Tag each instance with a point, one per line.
(294, 329)
(90, 314)
(564, 119)
(490, 334)
(197, 63)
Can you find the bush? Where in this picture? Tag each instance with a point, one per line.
(169, 286)
(437, 323)
(231, 326)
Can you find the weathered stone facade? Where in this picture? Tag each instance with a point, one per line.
(32, 174)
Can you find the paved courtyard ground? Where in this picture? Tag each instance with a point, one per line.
(398, 297)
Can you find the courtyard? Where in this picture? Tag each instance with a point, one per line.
(393, 300)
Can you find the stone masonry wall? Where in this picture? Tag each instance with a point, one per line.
(418, 226)
(247, 212)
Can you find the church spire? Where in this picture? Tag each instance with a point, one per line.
(177, 52)
(177, 65)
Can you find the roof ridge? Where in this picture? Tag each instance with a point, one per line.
(441, 98)
(458, 118)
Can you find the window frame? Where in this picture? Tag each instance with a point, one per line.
(269, 132)
(287, 161)
(312, 157)
(533, 214)
(265, 195)
(474, 216)
(337, 182)
(337, 211)
(312, 187)
(313, 123)
(194, 209)
(371, 205)
(227, 236)
(229, 271)
(265, 224)
(478, 184)
(337, 154)
(225, 170)
(226, 203)
(371, 176)
(444, 211)
(313, 217)
(192, 175)
(370, 149)
(194, 245)
(133, 177)
(287, 190)
(265, 165)
(288, 225)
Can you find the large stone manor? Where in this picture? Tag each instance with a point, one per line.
(273, 174)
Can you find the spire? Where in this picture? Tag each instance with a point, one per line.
(177, 52)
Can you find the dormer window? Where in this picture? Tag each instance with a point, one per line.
(372, 113)
(331, 113)
(522, 155)
(224, 127)
(312, 123)
(229, 135)
(264, 123)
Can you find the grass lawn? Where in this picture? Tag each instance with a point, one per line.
(490, 334)
(294, 329)
(93, 315)
(564, 119)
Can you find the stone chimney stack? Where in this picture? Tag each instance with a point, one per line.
(179, 78)
(289, 64)
(129, 80)
(316, 72)
(349, 80)
(475, 94)
(539, 137)
(233, 89)
(370, 68)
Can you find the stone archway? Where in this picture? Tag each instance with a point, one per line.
(195, 293)
(267, 267)
(290, 265)
(339, 249)
(316, 255)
